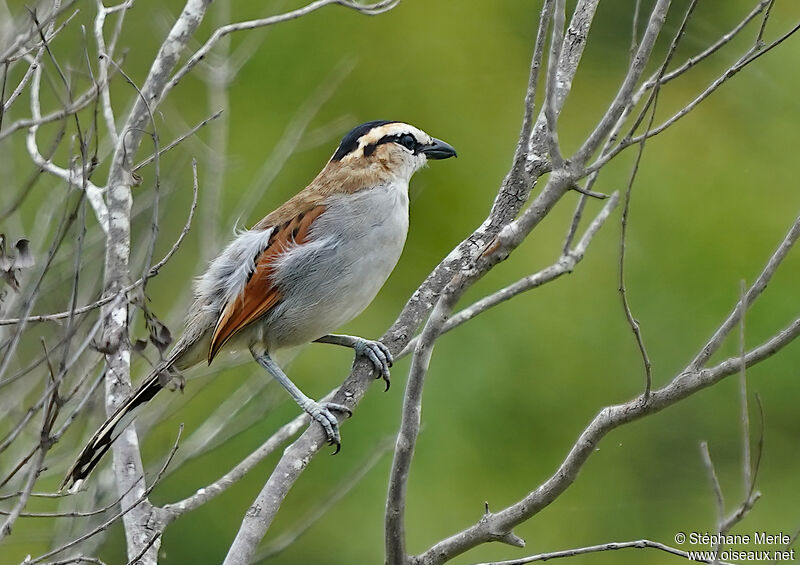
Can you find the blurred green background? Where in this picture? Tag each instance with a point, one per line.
(508, 393)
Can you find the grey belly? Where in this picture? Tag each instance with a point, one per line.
(326, 283)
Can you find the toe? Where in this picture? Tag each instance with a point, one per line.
(380, 358)
(321, 413)
(386, 353)
(370, 354)
(338, 408)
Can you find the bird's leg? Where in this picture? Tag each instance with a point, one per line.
(377, 353)
(320, 412)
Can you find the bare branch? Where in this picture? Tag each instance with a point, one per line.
(712, 476)
(688, 382)
(50, 34)
(73, 178)
(338, 493)
(533, 82)
(569, 58)
(609, 150)
(754, 53)
(142, 498)
(611, 546)
(565, 264)
(154, 270)
(635, 30)
(14, 49)
(102, 510)
(203, 495)
(68, 217)
(36, 467)
(747, 469)
(609, 418)
(103, 61)
(174, 143)
(261, 513)
(549, 107)
(750, 297)
(710, 50)
(136, 559)
(623, 97)
(219, 33)
(77, 559)
(76, 105)
(748, 58)
(505, 228)
(394, 527)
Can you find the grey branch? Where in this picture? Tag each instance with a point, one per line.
(219, 33)
(506, 226)
(611, 546)
(208, 492)
(73, 178)
(693, 379)
(338, 492)
(486, 247)
(749, 297)
(565, 264)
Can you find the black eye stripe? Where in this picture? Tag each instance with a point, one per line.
(350, 141)
(405, 139)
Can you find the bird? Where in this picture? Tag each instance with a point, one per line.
(305, 269)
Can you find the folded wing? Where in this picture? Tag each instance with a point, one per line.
(260, 294)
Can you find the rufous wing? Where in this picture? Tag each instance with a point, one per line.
(259, 295)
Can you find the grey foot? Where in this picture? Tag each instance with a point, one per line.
(322, 413)
(177, 382)
(379, 355)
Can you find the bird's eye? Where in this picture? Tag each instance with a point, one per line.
(408, 141)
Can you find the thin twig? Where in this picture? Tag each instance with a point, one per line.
(13, 52)
(565, 264)
(521, 151)
(174, 143)
(154, 270)
(634, 31)
(747, 469)
(138, 501)
(93, 193)
(611, 546)
(135, 559)
(651, 104)
(608, 419)
(712, 477)
(749, 57)
(624, 94)
(208, 492)
(219, 33)
(753, 292)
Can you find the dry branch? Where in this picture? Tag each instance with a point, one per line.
(511, 220)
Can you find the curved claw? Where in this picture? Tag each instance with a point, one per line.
(380, 357)
(322, 413)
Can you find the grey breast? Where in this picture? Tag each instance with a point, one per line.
(329, 280)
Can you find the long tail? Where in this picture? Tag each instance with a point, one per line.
(103, 438)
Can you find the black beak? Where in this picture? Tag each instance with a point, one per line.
(438, 149)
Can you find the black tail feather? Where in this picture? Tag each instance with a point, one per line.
(102, 439)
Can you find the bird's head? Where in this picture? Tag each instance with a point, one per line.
(396, 149)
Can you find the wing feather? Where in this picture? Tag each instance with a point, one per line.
(259, 295)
